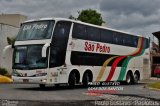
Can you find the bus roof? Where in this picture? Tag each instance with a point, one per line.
(80, 22)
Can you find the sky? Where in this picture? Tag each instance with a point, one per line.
(140, 17)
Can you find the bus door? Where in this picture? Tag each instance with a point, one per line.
(59, 47)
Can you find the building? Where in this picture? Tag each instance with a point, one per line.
(155, 53)
(9, 26)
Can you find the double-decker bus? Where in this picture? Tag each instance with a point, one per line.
(58, 51)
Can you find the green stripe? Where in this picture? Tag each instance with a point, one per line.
(123, 68)
(126, 61)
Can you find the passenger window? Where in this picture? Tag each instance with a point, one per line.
(118, 38)
(79, 31)
(128, 40)
(61, 34)
(135, 41)
(59, 43)
(106, 36)
(147, 42)
(93, 33)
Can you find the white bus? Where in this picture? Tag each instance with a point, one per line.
(58, 51)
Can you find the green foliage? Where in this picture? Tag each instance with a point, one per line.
(11, 40)
(71, 17)
(154, 85)
(3, 71)
(90, 16)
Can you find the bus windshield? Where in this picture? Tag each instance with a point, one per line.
(35, 30)
(29, 57)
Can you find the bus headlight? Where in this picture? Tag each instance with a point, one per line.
(44, 80)
(15, 73)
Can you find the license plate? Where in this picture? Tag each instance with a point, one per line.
(25, 80)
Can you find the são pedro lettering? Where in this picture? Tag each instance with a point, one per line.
(97, 47)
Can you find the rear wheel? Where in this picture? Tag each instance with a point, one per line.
(86, 79)
(136, 78)
(72, 80)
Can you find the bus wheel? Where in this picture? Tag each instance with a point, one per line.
(85, 80)
(42, 86)
(136, 78)
(72, 80)
(56, 85)
(129, 78)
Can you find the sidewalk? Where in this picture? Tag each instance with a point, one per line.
(151, 80)
(154, 78)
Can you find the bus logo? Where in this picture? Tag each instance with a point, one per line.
(97, 47)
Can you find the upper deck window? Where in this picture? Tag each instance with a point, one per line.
(35, 30)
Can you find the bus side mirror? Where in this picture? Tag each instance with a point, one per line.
(12, 45)
(44, 49)
(5, 50)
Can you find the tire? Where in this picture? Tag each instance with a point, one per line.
(56, 85)
(42, 86)
(136, 78)
(129, 78)
(72, 80)
(85, 80)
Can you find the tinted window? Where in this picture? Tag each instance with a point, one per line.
(106, 36)
(35, 30)
(59, 43)
(135, 41)
(93, 59)
(79, 31)
(147, 42)
(29, 57)
(118, 38)
(61, 34)
(82, 58)
(128, 40)
(57, 57)
(103, 35)
(93, 33)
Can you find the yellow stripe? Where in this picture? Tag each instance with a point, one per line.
(138, 46)
(103, 68)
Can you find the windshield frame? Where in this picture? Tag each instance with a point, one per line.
(27, 67)
(50, 23)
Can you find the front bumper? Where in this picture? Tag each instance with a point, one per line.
(37, 80)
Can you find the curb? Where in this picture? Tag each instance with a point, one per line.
(153, 88)
(154, 78)
(4, 79)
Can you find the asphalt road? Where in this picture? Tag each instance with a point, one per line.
(31, 94)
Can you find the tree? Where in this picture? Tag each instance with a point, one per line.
(90, 16)
(71, 17)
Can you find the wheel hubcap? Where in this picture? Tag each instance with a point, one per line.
(128, 79)
(136, 77)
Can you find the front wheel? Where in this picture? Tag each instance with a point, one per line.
(72, 80)
(129, 78)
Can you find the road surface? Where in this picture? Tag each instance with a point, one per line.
(31, 94)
